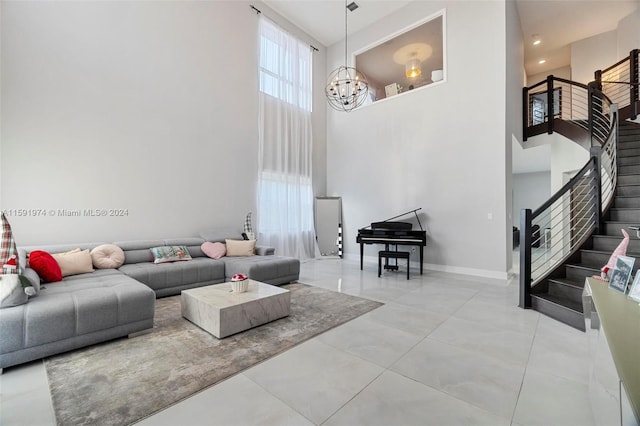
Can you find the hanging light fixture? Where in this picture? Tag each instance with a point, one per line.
(347, 88)
(412, 68)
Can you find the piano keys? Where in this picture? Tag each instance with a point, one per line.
(389, 232)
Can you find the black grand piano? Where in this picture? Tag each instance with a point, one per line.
(389, 233)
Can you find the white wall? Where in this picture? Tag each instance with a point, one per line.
(145, 106)
(441, 148)
(592, 54)
(566, 157)
(628, 34)
(530, 191)
(515, 81)
(563, 72)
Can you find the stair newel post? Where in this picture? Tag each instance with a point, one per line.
(597, 77)
(525, 112)
(525, 258)
(596, 157)
(634, 78)
(550, 104)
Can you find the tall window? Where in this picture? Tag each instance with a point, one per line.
(285, 66)
(285, 195)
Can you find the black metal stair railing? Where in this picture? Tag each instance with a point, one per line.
(553, 233)
(619, 83)
(552, 102)
(556, 230)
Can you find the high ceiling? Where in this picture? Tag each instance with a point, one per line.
(562, 22)
(558, 22)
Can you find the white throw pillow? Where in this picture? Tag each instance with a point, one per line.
(107, 256)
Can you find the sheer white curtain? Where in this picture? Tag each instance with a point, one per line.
(285, 196)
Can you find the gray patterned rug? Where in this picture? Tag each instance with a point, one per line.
(125, 380)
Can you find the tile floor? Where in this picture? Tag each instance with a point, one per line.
(444, 350)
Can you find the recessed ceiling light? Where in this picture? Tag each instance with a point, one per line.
(536, 39)
(542, 61)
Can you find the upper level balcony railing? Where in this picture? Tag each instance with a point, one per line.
(619, 83)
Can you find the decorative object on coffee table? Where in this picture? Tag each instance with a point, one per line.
(239, 283)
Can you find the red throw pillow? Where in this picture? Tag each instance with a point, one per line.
(45, 265)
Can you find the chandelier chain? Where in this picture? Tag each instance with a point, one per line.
(345, 33)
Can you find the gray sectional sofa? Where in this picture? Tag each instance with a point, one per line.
(89, 308)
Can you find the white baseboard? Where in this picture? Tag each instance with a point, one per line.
(440, 268)
(468, 271)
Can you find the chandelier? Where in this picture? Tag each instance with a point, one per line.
(347, 88)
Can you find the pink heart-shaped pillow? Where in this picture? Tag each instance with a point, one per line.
(213, 250)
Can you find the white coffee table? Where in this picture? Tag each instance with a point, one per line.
(222, 313)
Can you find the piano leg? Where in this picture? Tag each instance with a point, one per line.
(421, 258)
(361, 254)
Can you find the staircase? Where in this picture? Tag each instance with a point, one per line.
(560, 295)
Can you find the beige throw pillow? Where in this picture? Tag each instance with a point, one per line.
(107, 256)
(74, 262)
(240, 247)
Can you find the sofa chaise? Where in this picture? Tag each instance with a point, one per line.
(105, 304)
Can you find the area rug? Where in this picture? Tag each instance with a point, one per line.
(125, 380)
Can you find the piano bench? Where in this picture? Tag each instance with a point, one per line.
(392, 255)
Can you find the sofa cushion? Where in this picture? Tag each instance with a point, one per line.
(197, 272)
(213, 250)
(45, 265)
(164, 254)
(107, 256)
(240, 247)
(192, 243)
(137, 251)
(74, 262)
(77, 305)
(268, 269)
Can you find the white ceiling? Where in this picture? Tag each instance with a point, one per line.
(558, 22)
(562, 22)
(324, 19)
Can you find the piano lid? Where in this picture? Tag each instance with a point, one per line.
(391, 225)
(388, 224)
